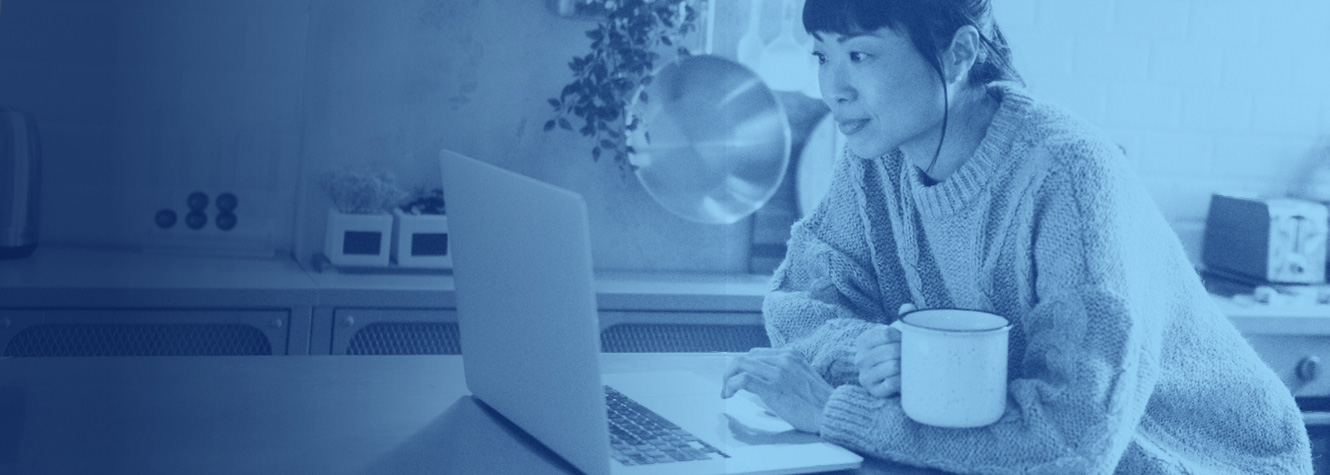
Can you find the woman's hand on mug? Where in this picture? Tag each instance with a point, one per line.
(784, 381)
(878, 358)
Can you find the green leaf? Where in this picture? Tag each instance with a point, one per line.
(606, 143)
(595, 154)
(666, 40)
(684, 53)
(555, 103)
(564, 124)
(643, 96)
(549, 125)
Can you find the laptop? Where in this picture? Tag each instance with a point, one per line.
(530, 335)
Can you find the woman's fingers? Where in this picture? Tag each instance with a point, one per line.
(878, 366)
(879, 354)
(886, 387)
(882, 371)
(746, 382)
(876, 374)
(761, 365)
(877, 335)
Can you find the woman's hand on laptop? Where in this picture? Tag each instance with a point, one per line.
(784, 381)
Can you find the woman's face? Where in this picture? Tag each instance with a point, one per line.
(883, 94)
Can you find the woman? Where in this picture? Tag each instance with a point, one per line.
(959, 190)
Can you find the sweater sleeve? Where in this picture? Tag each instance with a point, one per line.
(1090, 362)
(825, 293)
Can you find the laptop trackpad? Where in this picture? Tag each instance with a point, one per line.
(694, 403)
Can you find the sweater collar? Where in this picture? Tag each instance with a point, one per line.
(969, 181)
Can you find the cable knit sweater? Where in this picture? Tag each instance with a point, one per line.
(1119, 359)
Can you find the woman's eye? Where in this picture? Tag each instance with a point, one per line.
(857, 56)
(821, 58)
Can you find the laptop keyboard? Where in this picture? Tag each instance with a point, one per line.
(641, 437)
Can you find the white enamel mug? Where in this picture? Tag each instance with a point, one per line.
(953, 366)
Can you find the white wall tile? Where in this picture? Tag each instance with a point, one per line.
(1285, 115)
(1294, 24)
(1216, 111)
(1191, 198)
(1079, 16)
(1184, 64)
(1177, 154)
(1016, 15)
(1259, 158)
(1224, 23)
(1152, 107)
(1258, 68)
(1041, 60)
(1154, 20)
(1113, 59)
(1089, 100)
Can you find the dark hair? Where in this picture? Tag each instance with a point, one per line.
(930, 25)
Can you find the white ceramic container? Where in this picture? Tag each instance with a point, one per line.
(953, 367)
(421, 240)
(358, 239)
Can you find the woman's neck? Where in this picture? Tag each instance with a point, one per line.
(970, 113)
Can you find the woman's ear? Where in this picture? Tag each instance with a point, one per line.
(962, 54)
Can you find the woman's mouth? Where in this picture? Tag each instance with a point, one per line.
(849, 127)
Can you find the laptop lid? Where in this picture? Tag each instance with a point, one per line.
(526, 306)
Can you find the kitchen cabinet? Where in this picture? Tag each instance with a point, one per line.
(67, 300)
(375, 331)
(362, 314)
(143, 332)
(1294, 340)
(681, 332)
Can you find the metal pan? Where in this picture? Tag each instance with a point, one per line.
(714, 142)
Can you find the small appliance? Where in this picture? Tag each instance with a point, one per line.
(1273, 240)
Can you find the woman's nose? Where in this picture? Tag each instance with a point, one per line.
(836, 89)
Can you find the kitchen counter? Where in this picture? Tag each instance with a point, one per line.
(68, 277)
(63, 277)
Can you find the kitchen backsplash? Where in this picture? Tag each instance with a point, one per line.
(141, 99)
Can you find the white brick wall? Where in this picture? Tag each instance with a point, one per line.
(1206, 95)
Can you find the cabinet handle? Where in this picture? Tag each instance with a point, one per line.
(277, 323)
(1308, 368)
(349, 321)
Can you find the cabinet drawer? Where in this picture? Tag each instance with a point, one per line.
(143, 332)
(368, 331)
(1299, 360)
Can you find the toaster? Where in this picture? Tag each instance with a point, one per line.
(1275, 240)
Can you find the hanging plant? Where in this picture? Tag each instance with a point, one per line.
(624, 51)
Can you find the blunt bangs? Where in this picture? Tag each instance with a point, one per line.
(850, 17)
